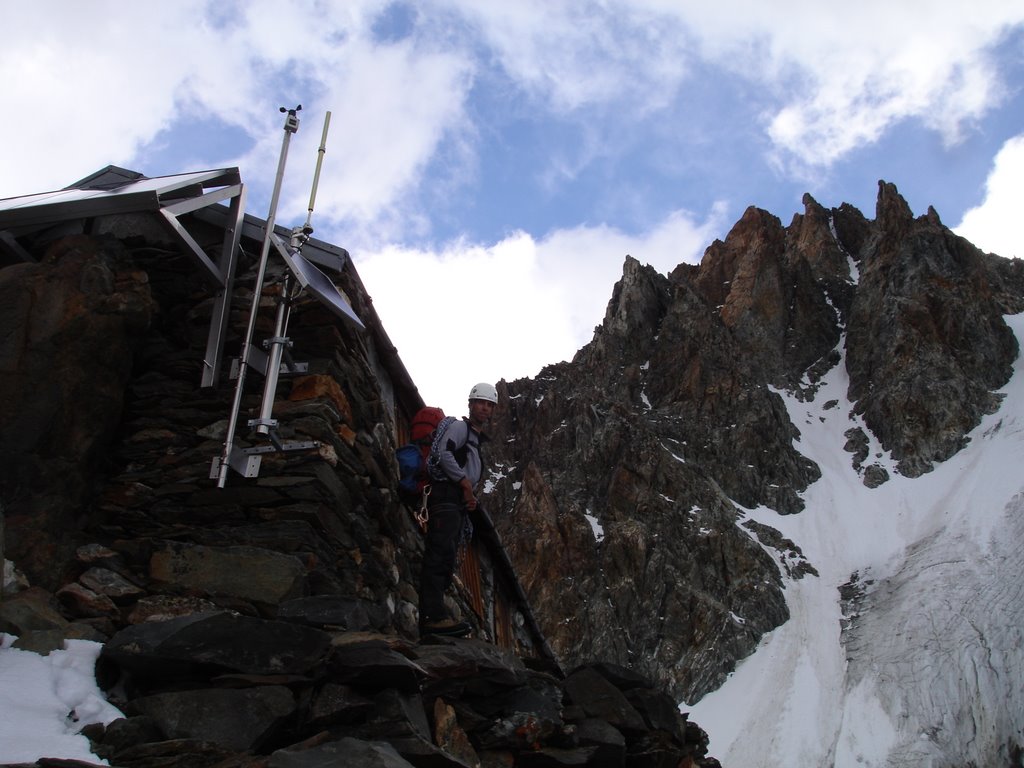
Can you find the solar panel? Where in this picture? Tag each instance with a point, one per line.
(317, 283)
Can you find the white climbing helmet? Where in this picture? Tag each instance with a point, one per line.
(484, 391)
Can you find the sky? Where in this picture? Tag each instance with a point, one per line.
(930, 676)
(489, 165)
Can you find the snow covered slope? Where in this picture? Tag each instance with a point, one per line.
(46, 700)
(919, 659)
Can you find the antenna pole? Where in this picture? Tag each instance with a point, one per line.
(308, 228)
(291, 125)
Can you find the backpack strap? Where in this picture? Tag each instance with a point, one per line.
(434, 471)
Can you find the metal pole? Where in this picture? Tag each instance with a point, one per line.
(316, 175)
(2, 552)
(291, 125)
(275, 351)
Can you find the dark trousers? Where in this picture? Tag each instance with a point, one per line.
(442, 542)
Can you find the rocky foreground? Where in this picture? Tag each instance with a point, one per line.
(300, 693)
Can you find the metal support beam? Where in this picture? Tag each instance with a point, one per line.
(207, 267)
(9, 243)
(210, 198)
(275, 352)
(222, 302)
(291, 125)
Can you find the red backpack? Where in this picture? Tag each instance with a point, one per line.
(424, 423)
(412, 457)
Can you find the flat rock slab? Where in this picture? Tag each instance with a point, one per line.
(236, 719)
(219, 641)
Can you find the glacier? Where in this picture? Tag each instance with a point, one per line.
(907, 649)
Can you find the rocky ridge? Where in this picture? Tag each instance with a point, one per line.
(623, 475)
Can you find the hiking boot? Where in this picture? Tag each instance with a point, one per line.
(446, 628)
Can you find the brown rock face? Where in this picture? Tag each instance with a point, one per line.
(624, 472)
(927, 343)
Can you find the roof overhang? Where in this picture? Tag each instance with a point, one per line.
(88, 197)
(114, 191)
(216, 197)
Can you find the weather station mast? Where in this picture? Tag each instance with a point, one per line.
(275, 357)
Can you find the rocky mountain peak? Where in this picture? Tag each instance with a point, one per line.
(633, 314)
(627, 471)
(892, 214)
(926, 342)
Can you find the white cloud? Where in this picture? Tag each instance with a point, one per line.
(837, 81)
(481, 313)
(101, 85)
(84, 85)
(994, 225)
(109, 78)
(402, 102)
(583, 54)
(91, 84)
(831, 81)
(457, 317)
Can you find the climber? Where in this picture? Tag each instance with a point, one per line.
(456, 468)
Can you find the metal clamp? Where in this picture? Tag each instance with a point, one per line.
(422, 515)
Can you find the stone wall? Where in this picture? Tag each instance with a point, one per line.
(108, 442)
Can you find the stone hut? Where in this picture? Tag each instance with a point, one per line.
(126, 305)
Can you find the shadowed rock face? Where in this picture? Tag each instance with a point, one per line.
(927, 343)
(667, 424)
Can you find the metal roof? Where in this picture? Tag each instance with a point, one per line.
(102, 194)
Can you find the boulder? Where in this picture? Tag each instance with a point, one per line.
(239, 720)
(31, 609)
(259, 576)
(206, 644)
(597, 697)
(374, 662)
